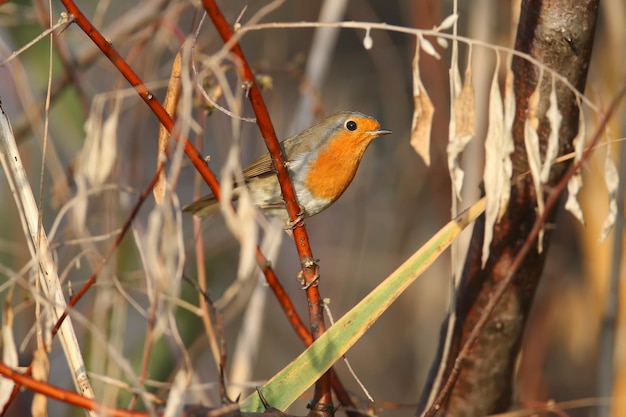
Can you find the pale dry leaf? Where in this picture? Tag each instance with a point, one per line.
(79, 209)
(576, 182)
(97, 158)
(9, 353)
(89, 153)
(246, 350)
(581, 135)
(465, 111)
(554, 118)
(165, 252)
(462, 127)
(508, 145)
(39, 406)
(611, 179)
(149, 279)
(448, 22)
(170, 103)
(368, 42)
(423, 113)
(493, 178)
(246, 212)
(531, 141)
(572, 205)
(250, 336)
(108, 148)
(456, 174)
(452, 151)
(161, 250)
(176, 397)
(241, 223)
(41, 370)
(428, 47)
(49, 322)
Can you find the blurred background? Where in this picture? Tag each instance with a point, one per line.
(393, 206)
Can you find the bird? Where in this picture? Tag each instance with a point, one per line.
(322, 162)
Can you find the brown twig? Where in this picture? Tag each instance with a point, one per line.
(148, 343)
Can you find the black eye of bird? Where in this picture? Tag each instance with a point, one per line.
(351, 125)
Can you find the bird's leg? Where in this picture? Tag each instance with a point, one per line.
(309, 263)
(297, 222)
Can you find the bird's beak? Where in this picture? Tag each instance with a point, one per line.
(380, 132)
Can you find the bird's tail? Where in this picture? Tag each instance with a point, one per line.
(206, 205)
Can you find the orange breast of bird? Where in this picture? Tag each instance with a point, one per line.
(337, 161)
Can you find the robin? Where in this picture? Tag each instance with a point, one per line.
(321, 160)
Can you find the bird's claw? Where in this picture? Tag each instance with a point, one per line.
(309, 263)
(297, 222)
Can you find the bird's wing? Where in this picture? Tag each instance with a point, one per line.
(293, 148)
(262, 166)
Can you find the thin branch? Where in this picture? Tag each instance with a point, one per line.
(418, 32)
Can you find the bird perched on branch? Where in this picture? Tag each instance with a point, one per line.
(321, 161)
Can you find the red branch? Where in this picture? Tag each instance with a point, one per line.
(307, 261)
(60, 394)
